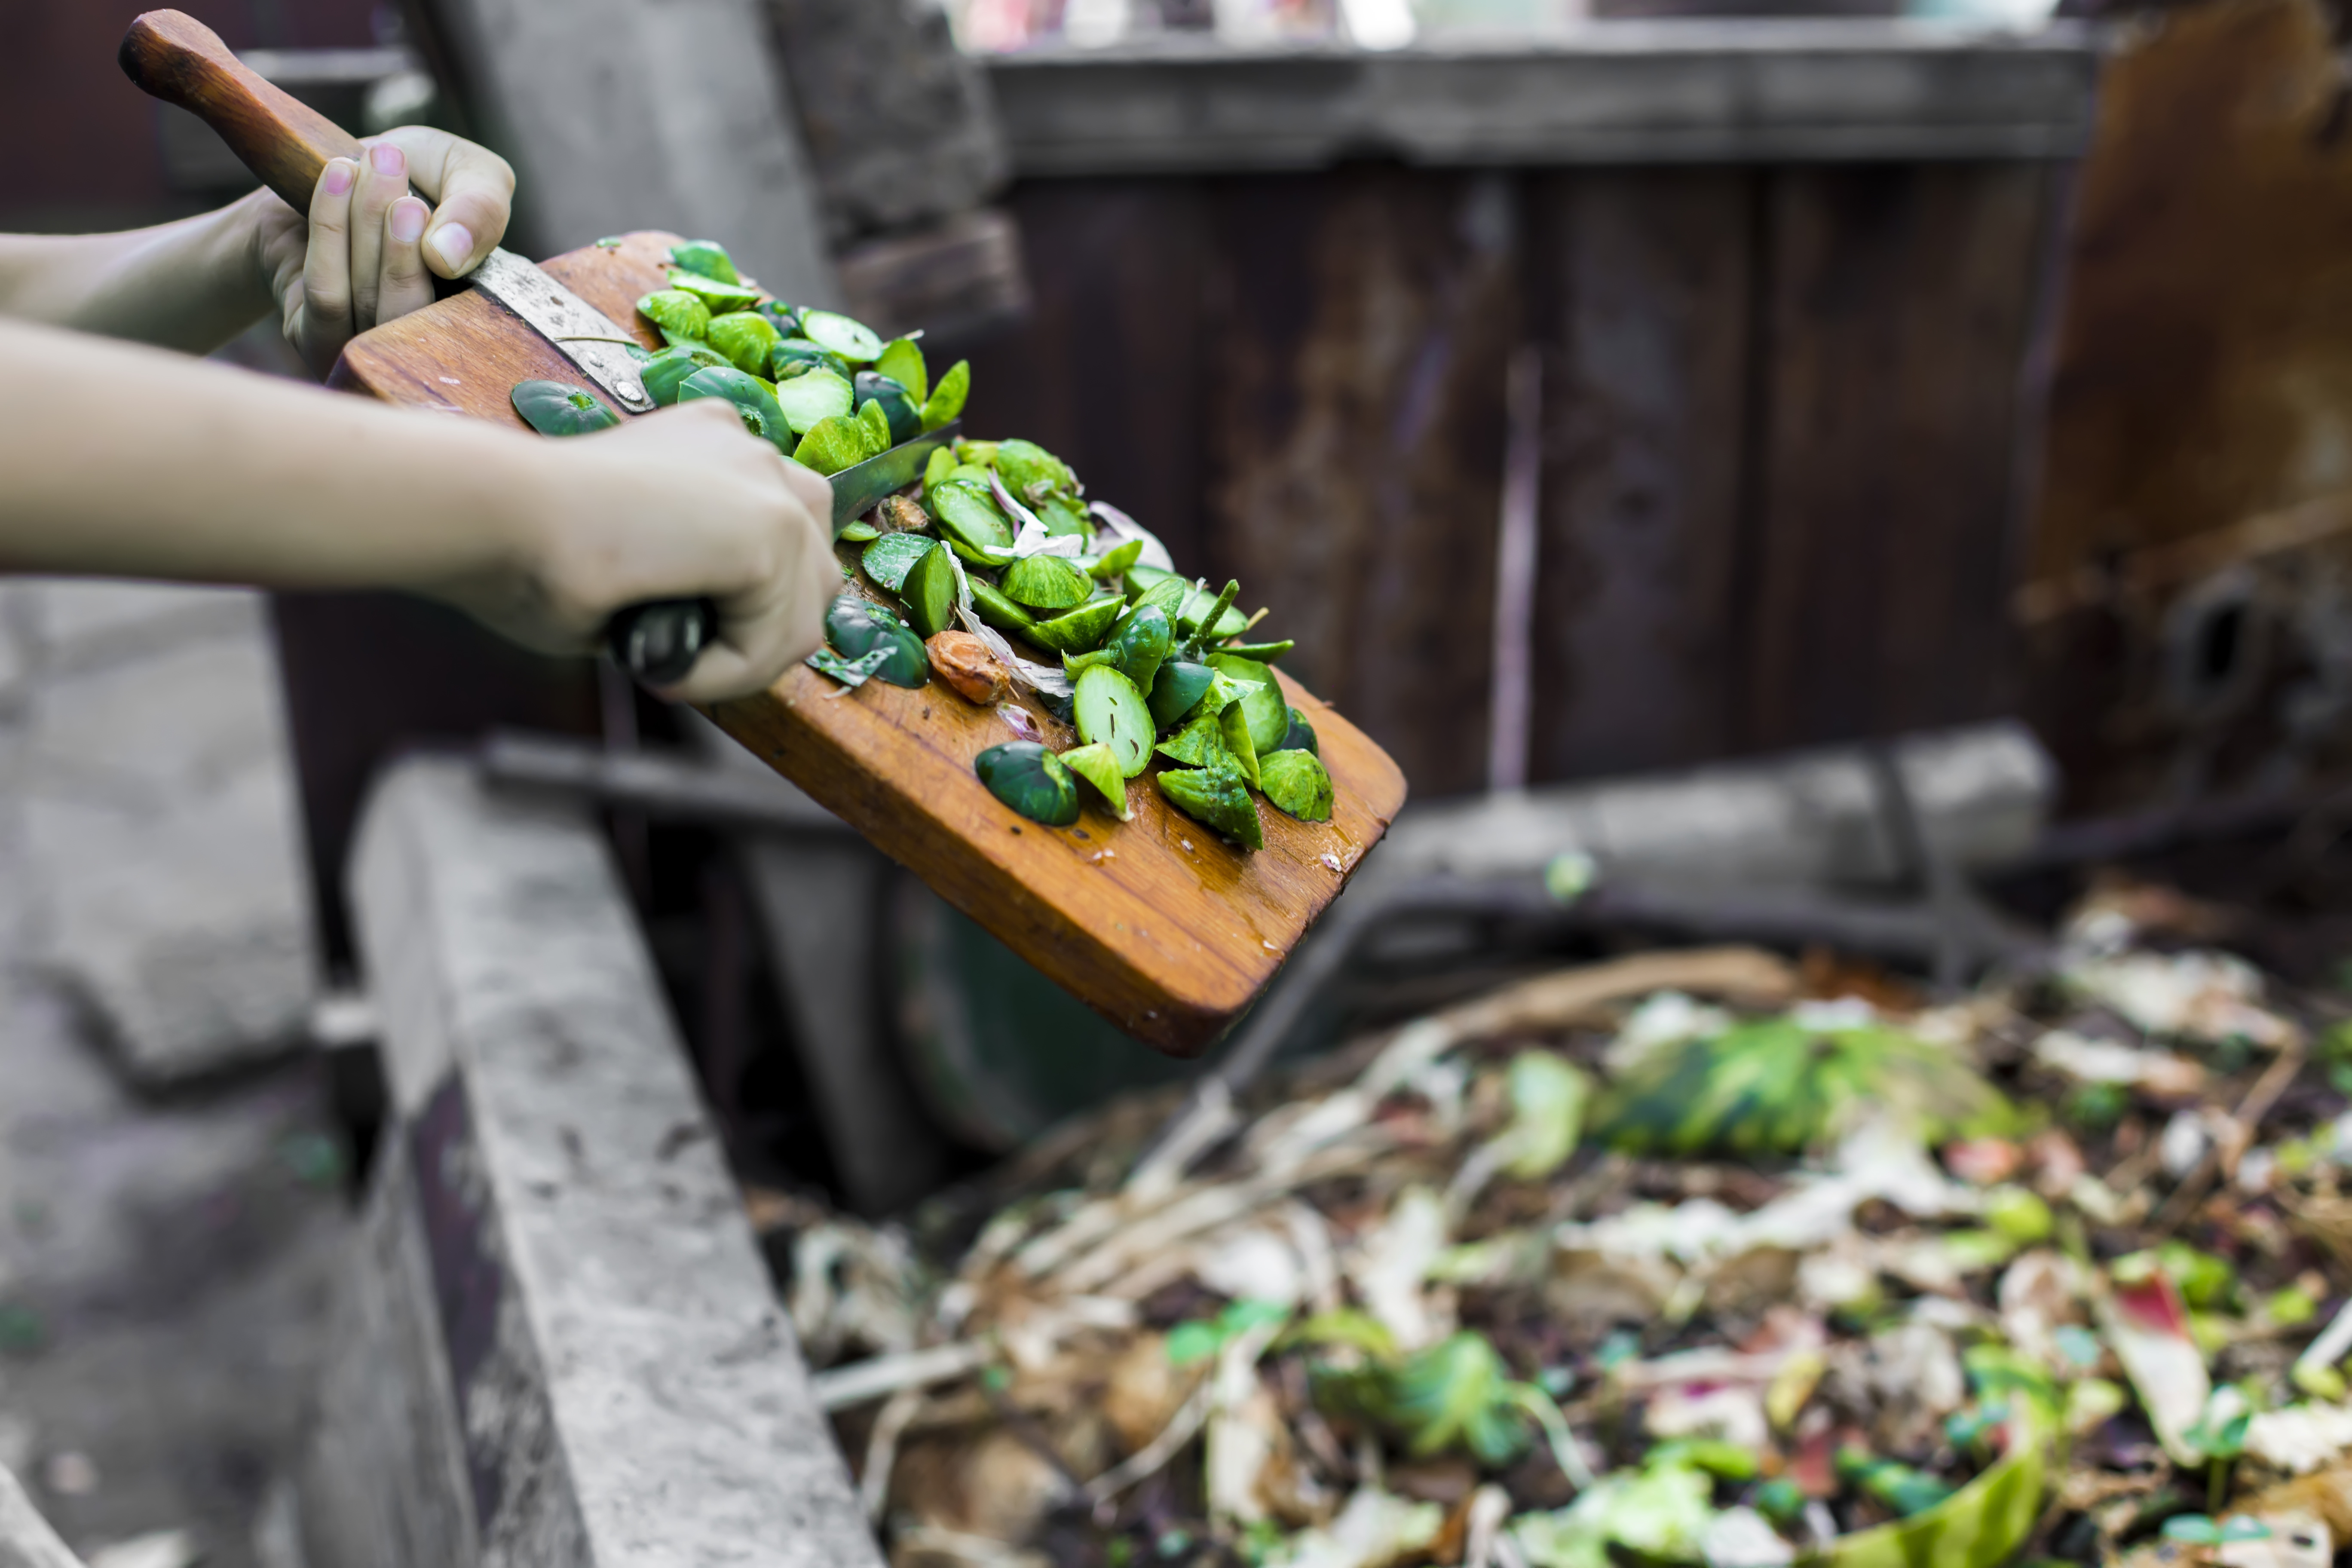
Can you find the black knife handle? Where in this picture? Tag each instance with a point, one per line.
(658, 643)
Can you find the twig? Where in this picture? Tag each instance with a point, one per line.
(2245, 1121)
(882, 1449)
(840, 1387)
(1136, 1466)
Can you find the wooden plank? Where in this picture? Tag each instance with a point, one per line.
(1361, 325)
(1156, 923)
(1898, 303)
(1640, 290)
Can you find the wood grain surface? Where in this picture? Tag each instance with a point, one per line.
(1157, 923)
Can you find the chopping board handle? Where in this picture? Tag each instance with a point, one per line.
(173, 56)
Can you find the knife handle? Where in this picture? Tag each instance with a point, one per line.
(173, 56)
(658, 643)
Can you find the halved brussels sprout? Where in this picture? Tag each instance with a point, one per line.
(832, 445)
(1296, 782)
(1046, 583)
(675, 311)
(850, 338)
(809, 400)
(1031, 472)
(558, 408)
(1030, 779)
(745, 337)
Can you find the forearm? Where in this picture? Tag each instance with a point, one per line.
(118, 461)
(190, 285)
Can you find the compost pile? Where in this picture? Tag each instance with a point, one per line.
(1689, 1257)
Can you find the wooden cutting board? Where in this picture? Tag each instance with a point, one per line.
(1157, 923)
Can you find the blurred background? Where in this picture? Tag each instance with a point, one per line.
(1597, 392)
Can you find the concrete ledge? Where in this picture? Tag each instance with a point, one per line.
(558, 1345)
(1608, 92)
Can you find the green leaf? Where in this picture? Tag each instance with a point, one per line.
(1549, 1093)
(847, 336)
(1031, 472)
(1001, 612)
(850, 672)
(945, 404)
(557, 408)
(1178, 689)
(798, 356)
(1233, 728)
(1197, 744)
(706, 258)
(889, 558)
(856, 625)
(1116, 561)
(902, 360)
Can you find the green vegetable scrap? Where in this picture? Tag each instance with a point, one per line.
(1158, 676)
(746, 338)
(679, 314)
(706, 258)
(555, 408)
(852, 338)
(1786, 1084)
(1030, 779)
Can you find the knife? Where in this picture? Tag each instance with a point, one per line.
(659, 642)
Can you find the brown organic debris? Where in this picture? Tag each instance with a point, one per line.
(965, 663)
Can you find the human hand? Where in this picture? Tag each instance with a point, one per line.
(362, 256)
(676, 505)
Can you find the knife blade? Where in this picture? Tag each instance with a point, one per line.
(572, 327)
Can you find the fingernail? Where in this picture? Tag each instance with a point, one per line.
(408, 215)
(389, 161)
(455, 243)
(340, 176)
